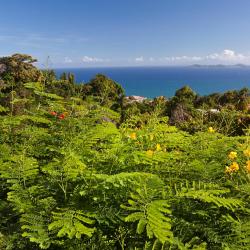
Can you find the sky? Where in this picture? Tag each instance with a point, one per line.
(93, 33)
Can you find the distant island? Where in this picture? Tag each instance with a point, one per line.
(220, 66)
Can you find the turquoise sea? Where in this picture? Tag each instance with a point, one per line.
(157, 81)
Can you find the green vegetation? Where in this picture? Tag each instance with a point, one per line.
(82, 168)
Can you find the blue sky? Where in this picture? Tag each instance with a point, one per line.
(89, 33)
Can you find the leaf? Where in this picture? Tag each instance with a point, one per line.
(48, 95)
(72, 224)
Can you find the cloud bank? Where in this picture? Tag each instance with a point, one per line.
(227, 56)
(89, 59)
(139, 59)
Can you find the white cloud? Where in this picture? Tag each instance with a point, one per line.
(67, 60)
(139, 59)
(196, 58)
(181, 58)
(213, 56)
(89, 59)
(227, 55)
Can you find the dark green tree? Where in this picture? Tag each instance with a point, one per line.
(105, 90)
(19, 69)
(185, 94)
(181, 106)
(15, 71)
(63, 76)
(71, 78)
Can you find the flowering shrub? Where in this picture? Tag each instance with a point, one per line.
(232, 155)
(211, 130)
(53, 113)
(247, 153)
(133, 136)
(232, 168)
(89, 184)
(61, 116)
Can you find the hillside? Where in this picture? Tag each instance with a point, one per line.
(82, 168)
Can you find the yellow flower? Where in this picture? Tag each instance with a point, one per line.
(149, 153)
(248, 166)
(232, 155)
(133, 136)
(228, 170)
(211, 130)
(158, 147)
(235, 166)
(232, 168)
(247, 152)
(151, 137)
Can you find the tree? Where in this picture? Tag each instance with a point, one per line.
(185, 94)
(181, 106)
(15, 71)
(104, 89)
(71, 78)
(244, 99)
(63, 76)
(19, 69)
(49, 76)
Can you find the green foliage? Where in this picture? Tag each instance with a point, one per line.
(104, 90)
(18, 68)
(73, 176)
(72, 224)
(153, 218)
(35, 230)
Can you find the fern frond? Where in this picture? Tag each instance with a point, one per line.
(72, 223)
(20, 168)
(34, 85)
(209, 193)
(154, 216)
(48, 95)
(3, 109)
(35, 228)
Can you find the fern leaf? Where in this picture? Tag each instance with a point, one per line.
(36, 230)
(72, 224)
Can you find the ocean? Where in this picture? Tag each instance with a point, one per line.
(164, 81)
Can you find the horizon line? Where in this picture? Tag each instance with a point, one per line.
(239, 65)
